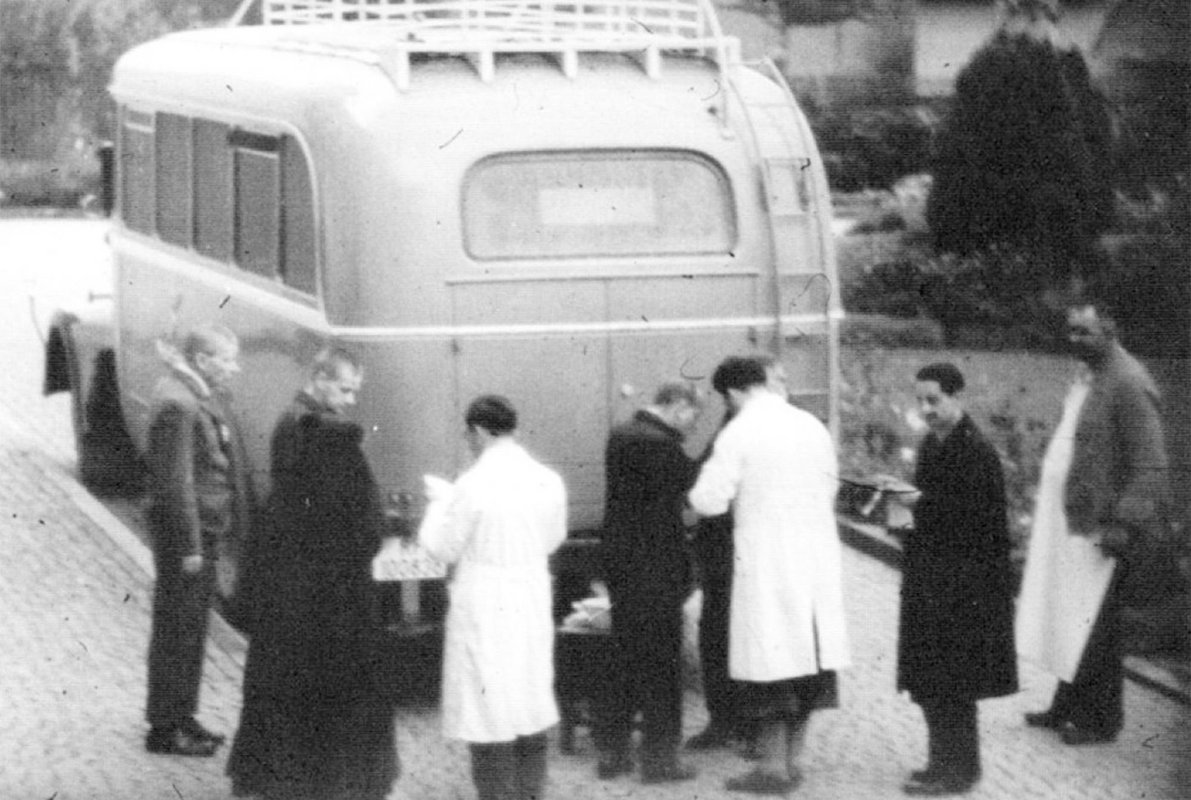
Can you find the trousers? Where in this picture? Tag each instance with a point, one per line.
(648, 646)
(1095, 699)
(954, 738)
(513, 770)
(177, 641)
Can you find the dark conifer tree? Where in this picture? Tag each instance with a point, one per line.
(1023, 159)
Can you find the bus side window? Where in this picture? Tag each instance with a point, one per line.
(137, 188)
(257, 170)
(297, 220)
(173, 179)
(212, 190)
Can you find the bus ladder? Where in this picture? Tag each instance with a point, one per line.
(788, 182)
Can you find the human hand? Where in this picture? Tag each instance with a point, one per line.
(191, 565)
(1113, 540)
(900, 492)
(437, 489)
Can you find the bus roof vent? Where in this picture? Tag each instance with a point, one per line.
(483, 29)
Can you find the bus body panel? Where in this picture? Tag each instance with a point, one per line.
(438, 307)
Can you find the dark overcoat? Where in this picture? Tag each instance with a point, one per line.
(956, 627)
(644, 539)
(315, 721)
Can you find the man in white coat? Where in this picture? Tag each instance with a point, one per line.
(504, 517)
(774, 465)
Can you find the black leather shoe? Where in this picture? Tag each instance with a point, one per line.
(178, 742)
(710, 738)
(1043, 719)
(1074, 735)
(613, 766)
(921, 775)
(758, 782)
(196, 730)
(670, 773)
(938, 786)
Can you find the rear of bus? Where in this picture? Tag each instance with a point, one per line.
(567, 229)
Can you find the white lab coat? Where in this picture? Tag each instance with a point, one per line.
(505, 516)
(775, 466)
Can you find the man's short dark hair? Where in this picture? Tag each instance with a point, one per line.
(675, 392)
(205, 338)
(738, 372)
(331, 360)
(947, 375)
(493, 413)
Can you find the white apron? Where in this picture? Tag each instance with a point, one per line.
(504, 518)
(1066, 576)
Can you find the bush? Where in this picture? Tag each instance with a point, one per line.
(901, 209)
(1022, 156)
(69, 182)
(1147, 275)
(870, 148)
(999, 295)
(67, 49)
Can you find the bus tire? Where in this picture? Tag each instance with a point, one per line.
(108, 461)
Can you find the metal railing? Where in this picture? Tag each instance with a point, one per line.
(479, 30)
(691, 19)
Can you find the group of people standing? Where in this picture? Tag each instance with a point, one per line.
(315, 721)
(781, 633)
(313, 725)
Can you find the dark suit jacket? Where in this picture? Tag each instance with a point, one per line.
(199, 484)
(1118, 473)
(648, 475)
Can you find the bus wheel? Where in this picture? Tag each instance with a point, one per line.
(108, 462)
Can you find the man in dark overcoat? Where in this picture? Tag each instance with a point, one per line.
(647, 564)
(955, 641)
(315, 721)
(199, 501)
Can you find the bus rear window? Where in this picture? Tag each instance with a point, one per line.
(611, 203)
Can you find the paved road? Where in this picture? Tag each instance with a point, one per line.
(75, 594)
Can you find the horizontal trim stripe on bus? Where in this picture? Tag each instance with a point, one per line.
(588, 328)
(301, 313)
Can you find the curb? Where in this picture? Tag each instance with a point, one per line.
(874, 541)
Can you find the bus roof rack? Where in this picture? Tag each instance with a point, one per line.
(481, 29)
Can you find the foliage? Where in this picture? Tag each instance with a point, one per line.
(818, 12)
(871, 148)
(1014, 398)
(1021, 158)
(40, 46)
(72, 46)
(1002, 291)
(903, 208)
(67, 182)
(1147, 274)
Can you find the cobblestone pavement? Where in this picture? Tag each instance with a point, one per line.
(75, 594)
